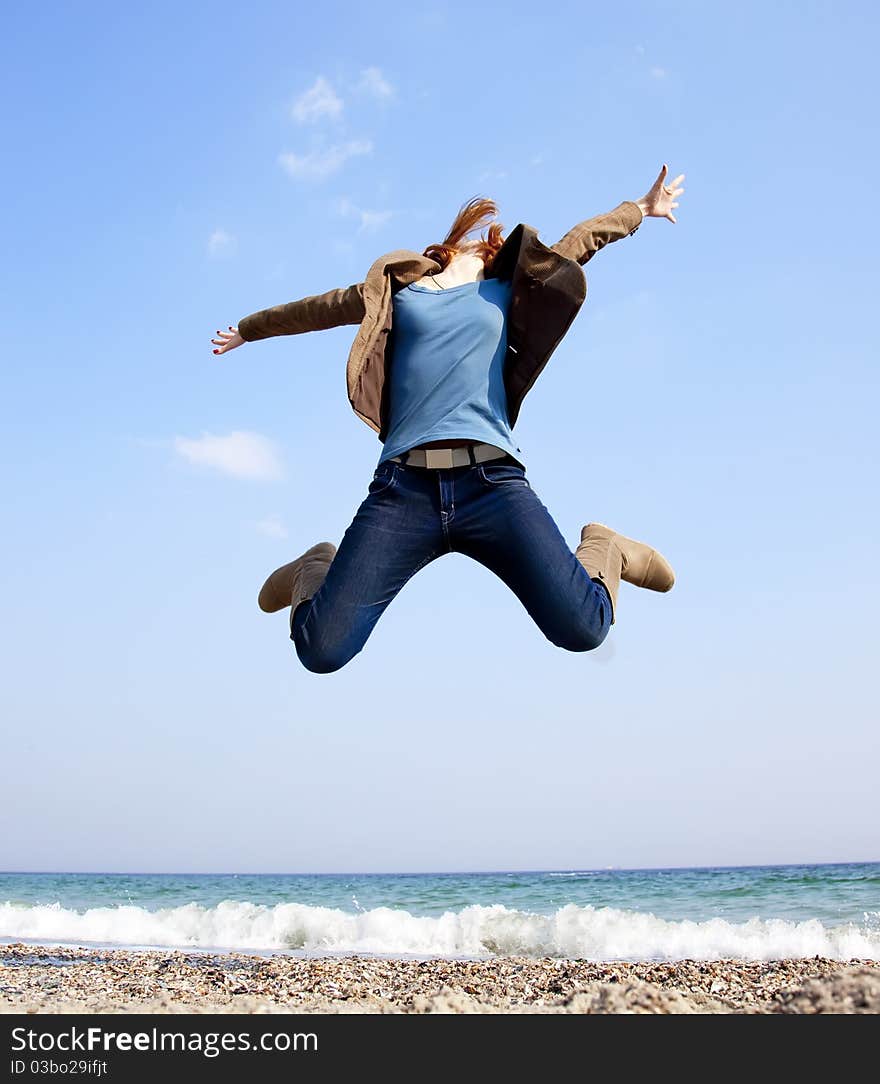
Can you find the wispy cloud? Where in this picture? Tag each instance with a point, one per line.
(656, 72)
(493, 175)
(321, 102)
(271, 527)
(239, 454)
(318, 164)
(370, 221)
(374, 83)
(316, 103)
(219, 242)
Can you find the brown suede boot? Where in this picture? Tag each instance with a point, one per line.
(612, 557)
(293, 583)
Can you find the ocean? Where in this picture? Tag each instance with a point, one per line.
(752, 913)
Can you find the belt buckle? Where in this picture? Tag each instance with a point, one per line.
(438, 458)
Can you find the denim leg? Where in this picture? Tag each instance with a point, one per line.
(395, 532)
(502, 523)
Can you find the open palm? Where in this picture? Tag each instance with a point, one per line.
(658, 203)
(227, 340)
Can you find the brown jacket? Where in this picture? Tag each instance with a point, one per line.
(547, 290)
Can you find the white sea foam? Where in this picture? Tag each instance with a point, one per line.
(594, 933)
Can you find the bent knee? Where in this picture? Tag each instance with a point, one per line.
(581, 639)
(323, 664)
(322, 658)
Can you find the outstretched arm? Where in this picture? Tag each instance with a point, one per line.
(314, 313)
(585, 239)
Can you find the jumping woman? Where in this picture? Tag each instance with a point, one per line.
(449, 342)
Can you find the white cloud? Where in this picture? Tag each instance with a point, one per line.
(373, 82)
(369, 222)
(493, 175)
(219, 241)
(372, 220)
(655, 71)
(319, 101)
(271, 527)
(239, 454)
(318, 164)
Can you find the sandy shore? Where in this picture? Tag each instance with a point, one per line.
(39, 979)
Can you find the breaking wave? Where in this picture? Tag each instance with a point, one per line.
(602, 933)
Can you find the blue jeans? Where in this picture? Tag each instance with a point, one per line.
(413, 515)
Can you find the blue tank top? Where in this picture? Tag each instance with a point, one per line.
(447, 377)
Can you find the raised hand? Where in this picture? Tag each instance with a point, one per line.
(658, 203)
(228, 340)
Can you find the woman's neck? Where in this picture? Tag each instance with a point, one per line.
(463, 267)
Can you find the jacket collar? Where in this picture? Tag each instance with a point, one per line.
(507, 257)
(406, 265)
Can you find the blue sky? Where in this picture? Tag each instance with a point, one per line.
(173, 168)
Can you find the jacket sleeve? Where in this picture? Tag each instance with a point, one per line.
(585, 239)
(314, 313)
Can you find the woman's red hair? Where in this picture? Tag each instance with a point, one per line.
(473, 214)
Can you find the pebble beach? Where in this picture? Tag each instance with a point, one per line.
(43, 979)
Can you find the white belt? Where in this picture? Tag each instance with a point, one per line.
(449, 457)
